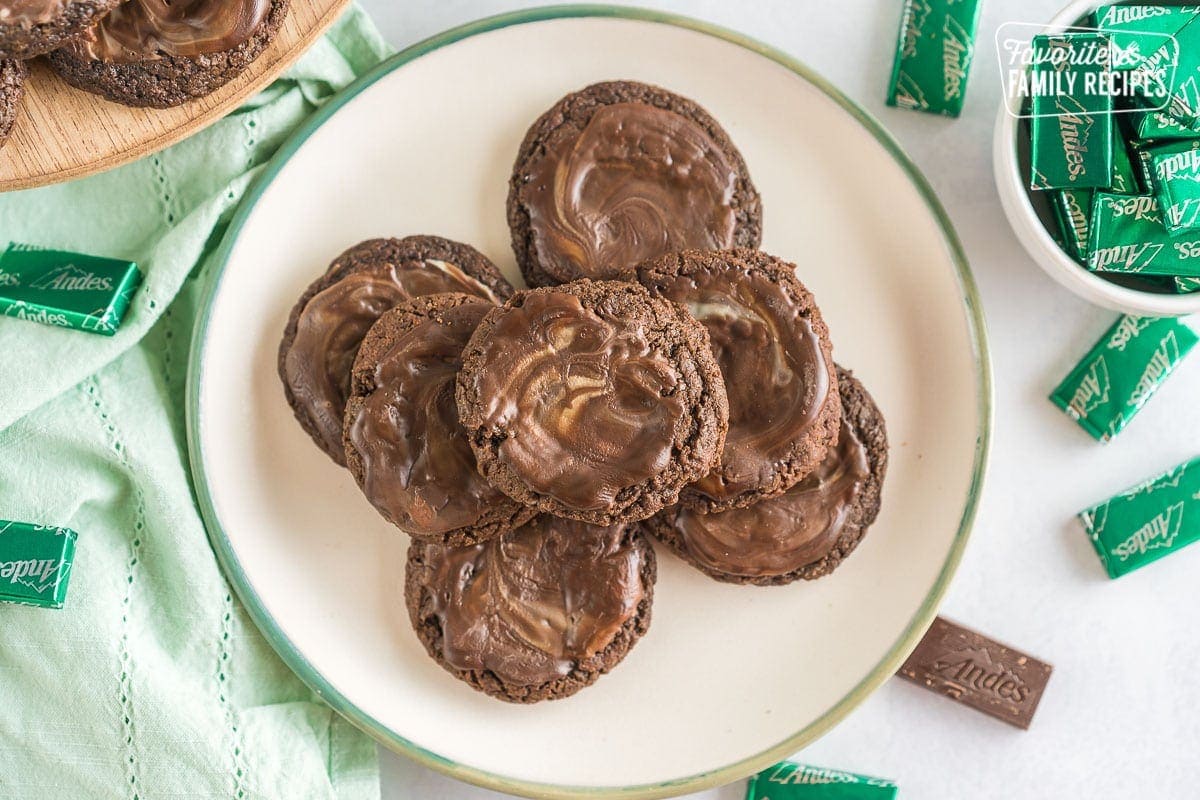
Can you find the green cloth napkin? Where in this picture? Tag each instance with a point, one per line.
(152, 682)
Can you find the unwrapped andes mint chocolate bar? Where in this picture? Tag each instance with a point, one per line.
(791, 781)
(1116, 378)
(1149, 521)
(978, 672)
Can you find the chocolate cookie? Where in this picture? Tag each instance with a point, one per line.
(773, 347)
(330, 319)
(592, 400)
(807, 531)
(404, 443)
(621, 172)
(30, 28)
(162, 53)
(12, 89)
(536, 614)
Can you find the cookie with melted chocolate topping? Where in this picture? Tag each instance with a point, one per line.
(592, 400)
(404, 444)
(30, 28)
(804, 533)
(776, 358)
(12, 89)
(537, 613)
(162, 53)
(620, 172)
(329, 321)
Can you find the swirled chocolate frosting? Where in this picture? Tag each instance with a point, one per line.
(531, 604)
(417, 465)
(30, 12)
(144, 30)
(587, 402)
(781, 534)
(776, 376)
(334, 321)
(637, 182)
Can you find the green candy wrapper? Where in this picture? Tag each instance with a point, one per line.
(1187, 285)
(1072, 134)
(1138, 31)
(67, 290)
(1156, 126)
(1128, 235)
(1176, 168)
(35, 564)
(933, 55)
(1147, 522)
(1183, 95)
(1073, 210)
(1116, 378)
(790, 781)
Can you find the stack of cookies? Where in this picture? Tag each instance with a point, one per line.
(155, 53)
(661, 379)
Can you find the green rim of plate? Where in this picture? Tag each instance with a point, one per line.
(693, 783)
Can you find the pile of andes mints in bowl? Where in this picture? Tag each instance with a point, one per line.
(143, 53)
(1114, 173)
(662, 380)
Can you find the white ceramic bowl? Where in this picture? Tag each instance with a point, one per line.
(1030, 225)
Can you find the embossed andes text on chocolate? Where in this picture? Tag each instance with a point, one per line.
(537, 613)
(593, 400)
(978, 672)
(161, 53)
(404, 443)
(328, 322)
(620, 172)
(775, 355)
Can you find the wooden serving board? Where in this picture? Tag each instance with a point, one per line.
(64, 133)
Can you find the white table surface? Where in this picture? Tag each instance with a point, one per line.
(1119, 718)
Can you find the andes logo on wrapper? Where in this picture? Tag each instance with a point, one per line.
(973, 669)
(35, 314)
(957, 52)
(916, 13)
(1162, 361)
(1092, 391)
(70, 278)
(8, 279)
(1075, 129)
(36, 574)
(1160, 531)
(1131, 257)
(909, 94)
(1127, 328)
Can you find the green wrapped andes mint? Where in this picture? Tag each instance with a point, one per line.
(933, 55)
(1147, 522)
(1072, 124)
(1138, 31)
(1073, 211)
(1176, 61)
(35, 564)
(67, 290)
(1128, 235)
(1177, 181)
(1152, 126)
(1113, 381)
(790, 781)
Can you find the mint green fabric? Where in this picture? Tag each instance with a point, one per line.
(152, 682)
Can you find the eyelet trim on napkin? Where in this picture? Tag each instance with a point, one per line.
(125, 686)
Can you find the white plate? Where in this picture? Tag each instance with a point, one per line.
(729, 678)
